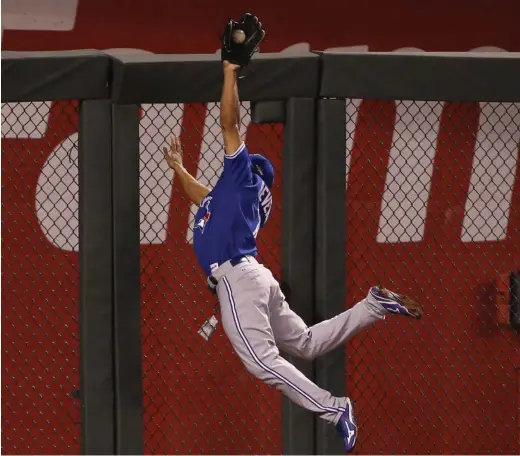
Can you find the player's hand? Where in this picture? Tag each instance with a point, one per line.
(228, 66)
(173, 154)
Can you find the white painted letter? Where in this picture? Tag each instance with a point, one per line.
(158, 122)
(493, 175)
(57, 193)
(410, 169)
(25, 120)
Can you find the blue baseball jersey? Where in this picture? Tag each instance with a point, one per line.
(229, 218)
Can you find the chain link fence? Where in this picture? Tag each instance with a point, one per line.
(40, 279)
(198, 398)
(433, 211)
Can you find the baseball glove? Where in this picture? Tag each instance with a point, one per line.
(240, 53)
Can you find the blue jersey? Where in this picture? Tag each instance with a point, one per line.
(229, 218)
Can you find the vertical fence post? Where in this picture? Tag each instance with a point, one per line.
(95, 254)
(127, 289)
(298, 220)
(330, 253)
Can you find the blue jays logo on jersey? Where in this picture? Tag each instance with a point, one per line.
(203, 221)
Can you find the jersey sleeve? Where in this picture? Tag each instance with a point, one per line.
(237, 167)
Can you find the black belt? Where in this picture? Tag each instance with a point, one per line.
(212, 282)
(235, 261)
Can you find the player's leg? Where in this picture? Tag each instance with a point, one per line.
(295, 338)
(244, 295)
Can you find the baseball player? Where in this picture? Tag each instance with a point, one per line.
(255, 315)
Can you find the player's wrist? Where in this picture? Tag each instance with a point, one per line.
(178, 168)
(230, 69)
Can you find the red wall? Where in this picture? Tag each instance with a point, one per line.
(454, 365)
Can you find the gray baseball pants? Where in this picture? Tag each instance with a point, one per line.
(257, 320)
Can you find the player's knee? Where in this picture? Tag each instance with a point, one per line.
(306, 349)
(302, 348)
(308, 355)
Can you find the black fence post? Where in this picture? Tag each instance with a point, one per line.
(95, 254)
(298, 253)
(127, 289)
(330, 253)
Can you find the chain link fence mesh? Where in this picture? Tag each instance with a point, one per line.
(433, 211)
(40, 279)
(199, 399)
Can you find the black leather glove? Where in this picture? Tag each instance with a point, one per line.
(240, 53)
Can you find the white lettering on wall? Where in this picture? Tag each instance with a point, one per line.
(58, 15)
(158, 122)
(57, 196)
(360, 48)
(410, 170)
(25, 120)
(488, 204)
(351, 111)
(56, 193)
(488, 49)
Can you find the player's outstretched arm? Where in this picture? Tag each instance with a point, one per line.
(195, 191)
(230, 109)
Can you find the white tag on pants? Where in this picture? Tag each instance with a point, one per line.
(208, 328)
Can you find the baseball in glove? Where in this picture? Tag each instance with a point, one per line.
(241, 39)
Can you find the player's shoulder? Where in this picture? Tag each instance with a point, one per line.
(241, 151)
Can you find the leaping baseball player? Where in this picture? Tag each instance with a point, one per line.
(255, 315)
